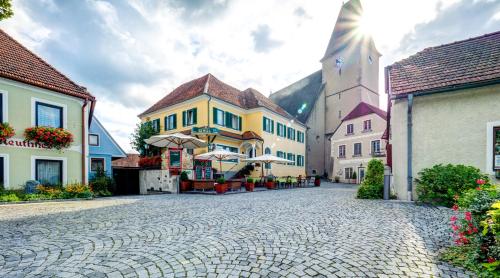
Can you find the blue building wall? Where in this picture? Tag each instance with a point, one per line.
(107, 148)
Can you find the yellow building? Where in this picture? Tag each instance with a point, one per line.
(245, 122)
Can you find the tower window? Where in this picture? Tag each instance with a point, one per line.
(370, 60)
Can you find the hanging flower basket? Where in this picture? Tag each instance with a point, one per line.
(50, 137)
(6, 132)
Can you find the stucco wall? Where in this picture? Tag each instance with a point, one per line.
(157, 179)
(315, 138)
(19, 103)
(447, 128)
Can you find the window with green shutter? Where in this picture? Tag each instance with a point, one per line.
(171, 122)
(190, 117)
(219, 117)
(233, 121)
(268, 125)
(156, 125)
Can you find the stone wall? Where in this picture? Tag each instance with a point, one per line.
(158, 180)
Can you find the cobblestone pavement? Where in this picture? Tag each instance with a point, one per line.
(314, 232)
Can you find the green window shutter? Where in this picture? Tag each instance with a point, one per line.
(264, 123)
(165, 120)
(214, 116)
(240, 122)
(284, 130)
(272, 126)
(195, 116)
(175, 121)
(229, 122)
(184, 118)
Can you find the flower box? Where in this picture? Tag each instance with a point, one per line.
(6, 131)
(50, 137)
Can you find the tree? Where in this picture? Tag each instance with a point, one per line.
(142, 132)
(5, 9)
(373, 184)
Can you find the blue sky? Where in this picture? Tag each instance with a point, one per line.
(129, 54)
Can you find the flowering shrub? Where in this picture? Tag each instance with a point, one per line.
(6, 131)
(154, 161)
(476, 230)
(50, 191)
(439, 184)
(50, 137)
(77, 190)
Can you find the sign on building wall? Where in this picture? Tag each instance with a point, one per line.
(496, 148)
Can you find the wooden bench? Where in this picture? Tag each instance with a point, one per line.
(204, 185)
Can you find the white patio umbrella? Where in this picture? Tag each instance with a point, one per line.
(268, 158)
(220, 155)
(176, 140)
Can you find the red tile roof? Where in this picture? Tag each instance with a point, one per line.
(131, 161)
(363, 109)
(475, 60)
(209, 84)
(19, 64)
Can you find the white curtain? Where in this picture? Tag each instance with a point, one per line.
(49, 172)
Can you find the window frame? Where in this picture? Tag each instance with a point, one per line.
(228, 148)
(354, 154)
(367, 125)
(216, 117)
(98, 139)
(61, 170)
(341, 154)
(379, 146)
(98, 158)
(351, 127)
(167, 122)
(268, 125)
(6, 173)
(348, 177)
(4, 106)
(495, 130)
(39, 103)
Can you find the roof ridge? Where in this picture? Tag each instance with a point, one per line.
(84, 89)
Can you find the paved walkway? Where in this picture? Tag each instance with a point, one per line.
(314, 232)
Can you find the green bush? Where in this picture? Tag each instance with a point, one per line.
(250, 180)
(439, 184)
(478, 201)
(373, 184)
(101, 184)
(184, 176)
(9, 197)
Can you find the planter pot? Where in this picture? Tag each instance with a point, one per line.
(185, 186)
(269, 185)
(317, 182)
(249, 187)
(221, 188)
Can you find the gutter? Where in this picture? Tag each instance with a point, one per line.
(409, 146)
(84, 142)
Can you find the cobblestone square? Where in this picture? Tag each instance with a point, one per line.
(313, 232)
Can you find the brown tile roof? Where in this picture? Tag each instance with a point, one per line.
(19, 64)
(131, 161)
(247, 135)
(209, 84)
(475, 60)
(363, 109)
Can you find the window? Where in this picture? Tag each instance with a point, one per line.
(228, 148)
(219, 117)
(94, 139)
(291, 133)
(96, 164)
(267, 151)
(171, 122)
(350, 129)
(156, 125)
(357, 149)
(232, 121)
(174, 158)
(189, 117)
(300, 137)
(370, 60)
(342, 151)
(367, 125)
(49, 172)
(291, 157)
(496, 148)
(300, 160)
(348, 173)
(280, 154)
(1, 109)
(281, 130)
(268, 125)
(49, 115)
(340, 114)
(375, 146)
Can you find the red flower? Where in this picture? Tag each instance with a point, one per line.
(455, 207)
(491, 260)
(480, 181)
(453, 218)
(454, 227)
(468, 216)
(478, 188)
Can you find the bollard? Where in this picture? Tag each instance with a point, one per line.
(387, 186)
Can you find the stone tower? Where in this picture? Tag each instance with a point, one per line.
(349, 75)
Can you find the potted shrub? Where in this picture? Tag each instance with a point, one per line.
(185, 186)
(317, 180)
(6, 132)
(249, 185)
(221, 186)
(269, 183)
(337, 179)
(354, 177)
(50, 137)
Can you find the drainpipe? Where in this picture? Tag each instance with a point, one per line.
(410, 146)
(84, 149)
(208, 120)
